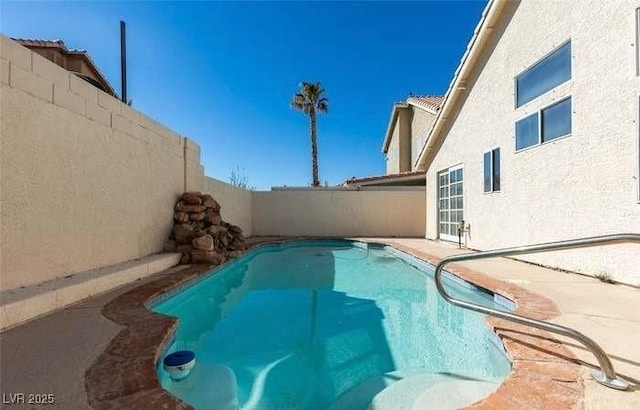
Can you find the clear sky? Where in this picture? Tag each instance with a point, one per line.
(223, 73)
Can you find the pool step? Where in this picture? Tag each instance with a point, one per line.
(398, 391)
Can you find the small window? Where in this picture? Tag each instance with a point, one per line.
(492, 170)
(556, 120)
(527, 132)
(545, 75)
(549, 123)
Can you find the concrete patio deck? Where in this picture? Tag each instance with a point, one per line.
(51, 355)
(608, 313)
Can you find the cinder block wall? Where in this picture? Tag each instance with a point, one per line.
(236, 203)
(339, 213)
(86, 181)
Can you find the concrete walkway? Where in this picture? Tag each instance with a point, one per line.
(608, 313)
(51, 354)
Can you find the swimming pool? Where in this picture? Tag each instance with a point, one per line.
(331, 324)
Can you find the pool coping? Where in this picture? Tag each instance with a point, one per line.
(545, 374)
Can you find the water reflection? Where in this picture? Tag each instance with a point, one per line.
(311, 326)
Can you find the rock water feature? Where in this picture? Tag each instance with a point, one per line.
(200, 234)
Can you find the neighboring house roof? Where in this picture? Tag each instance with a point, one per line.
(60, 45)
(430, 103)
(385, 179)
(452, 98)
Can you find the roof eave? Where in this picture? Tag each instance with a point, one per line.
(390, 125)
(389, 180)
(482, 34)
(422, 107)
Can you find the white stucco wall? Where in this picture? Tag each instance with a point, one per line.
(339, 213)
(393, 153)
(582, 185)
(421, 123)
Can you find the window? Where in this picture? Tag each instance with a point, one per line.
(492, 170)
(556, 120)
(545, 75)
(549, 123)
(451, 206)
(527, 132)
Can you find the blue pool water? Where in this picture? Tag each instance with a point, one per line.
(328, 324)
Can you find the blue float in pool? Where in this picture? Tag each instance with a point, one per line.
(179, 364)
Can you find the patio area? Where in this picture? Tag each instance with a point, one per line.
(50, 355)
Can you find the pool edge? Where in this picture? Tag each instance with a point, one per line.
(124, 375)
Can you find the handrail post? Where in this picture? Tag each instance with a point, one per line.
(607, 375)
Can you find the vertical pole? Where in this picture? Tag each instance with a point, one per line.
(123, 60)
(185, 159)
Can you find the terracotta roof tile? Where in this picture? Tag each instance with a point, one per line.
(59, 44)
(28, 42)
(433, 102)
(355, 180)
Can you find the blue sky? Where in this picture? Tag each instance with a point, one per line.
(223, 73)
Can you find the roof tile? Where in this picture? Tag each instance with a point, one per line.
(433, 102)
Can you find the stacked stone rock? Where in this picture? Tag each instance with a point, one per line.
(200, 234)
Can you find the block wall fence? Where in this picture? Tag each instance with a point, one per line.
(88, 182)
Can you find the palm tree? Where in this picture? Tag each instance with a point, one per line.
(311, 101)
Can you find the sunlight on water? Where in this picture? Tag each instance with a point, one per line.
(313, 325)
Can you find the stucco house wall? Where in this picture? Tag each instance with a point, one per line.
(393, 154)
(421, 123)
(581, 185)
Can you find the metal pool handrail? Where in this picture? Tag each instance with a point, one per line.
(607, 375)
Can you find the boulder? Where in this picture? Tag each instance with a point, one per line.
(191, 198)
(235, 254)
(200, 234)
(205, 242)
(183, 233)
(197, 217)
(193, 208)
(216, 230)
(236, 245)
(213, 218)
(181, 217)
(235, 229)
(209, 202)
(203, 256)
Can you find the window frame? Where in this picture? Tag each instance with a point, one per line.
(538, 112)
(537, 62)
(637, 41)
(492, 171)
(448, 170)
